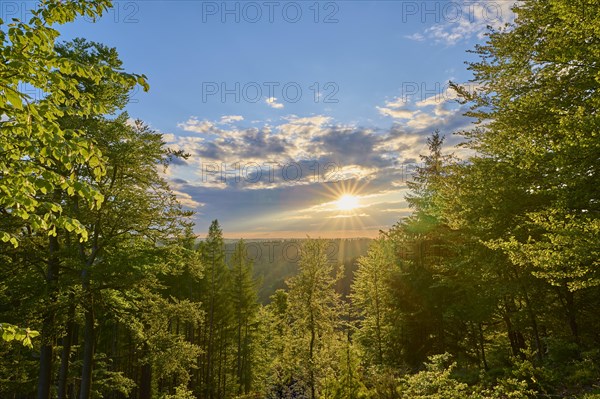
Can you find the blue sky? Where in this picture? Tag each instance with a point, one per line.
(285, 107)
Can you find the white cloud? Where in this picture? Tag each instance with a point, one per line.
(421, 121)
(226, 119)
(317, 120)
(398, 102)
(396, 109)
(396, 113)
(465, 19)
(272, 102)
(432, 100)
(169, 137)
(348, 172)
(360, 154)
(197, 126)
(418, 37)
(186, 200)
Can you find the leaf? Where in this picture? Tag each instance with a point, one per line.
(94, 161)
(14, 98)
(32, 333)
(4, 236)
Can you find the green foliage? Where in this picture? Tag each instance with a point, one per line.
(181, 392)
(435, 382)
(39, 154)
(314, 312)
(346, 381)
(372, 299)
(496, 268)
(539, 92)
(107, 381)
(14, 333)
(244, 299)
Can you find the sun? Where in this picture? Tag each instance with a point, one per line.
(347, 202)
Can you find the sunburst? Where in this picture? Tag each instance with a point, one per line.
(347, 202)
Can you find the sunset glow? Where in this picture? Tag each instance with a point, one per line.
(347, 202)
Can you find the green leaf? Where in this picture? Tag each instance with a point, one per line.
(14, 98)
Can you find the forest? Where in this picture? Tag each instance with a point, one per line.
(489, 289)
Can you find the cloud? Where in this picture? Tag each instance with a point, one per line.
(186, 200)
(414, 116)
(418, 37)
(397, 210)
(197, 126)
(397, 109)
(463, 20)
(169, 137)
(281, 173)
(342, 216)
(396, 113)
(227, 119)
(272, 102)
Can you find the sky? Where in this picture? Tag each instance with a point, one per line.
(300, 117)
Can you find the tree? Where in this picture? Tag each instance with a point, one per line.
(314, 307)
(542, 121)
(424, 188)
(38, 152)
(216, 377)
(537, 113)
(35, 148)
(244, 300)
(139, 206)
(372, 302)
(424, 288)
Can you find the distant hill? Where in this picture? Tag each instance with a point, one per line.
(277, 260)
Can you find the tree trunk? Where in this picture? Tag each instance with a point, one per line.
(146, 379)
(482, 345)
(89, 336)
(65, 357)
(47, 339)
(88, 351)
(571, 312)
(517, 342)
(534, 325)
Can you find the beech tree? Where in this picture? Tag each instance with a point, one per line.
(538, 127)
(36, 150)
